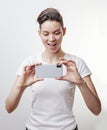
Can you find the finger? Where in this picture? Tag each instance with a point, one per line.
(39, 63)
(60, 78)
(61, 61)
(65, 62)
(61, 58)
(36, 64)
(72, 61)
(26, 68)
(30, 67)
(69, 60)
(38, 79)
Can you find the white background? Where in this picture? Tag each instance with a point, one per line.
(86, 37)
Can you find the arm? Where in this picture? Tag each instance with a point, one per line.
(90, 95)
(85, 85)
(21, 83)
(14, 96)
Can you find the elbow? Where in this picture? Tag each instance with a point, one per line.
(96, 113)
(8, 110)
(8, 107)
(97, 110)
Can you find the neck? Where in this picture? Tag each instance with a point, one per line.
(52, 57)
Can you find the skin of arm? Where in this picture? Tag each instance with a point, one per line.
(90, 95)
(14, 96)
(21, 83)
(85, 85)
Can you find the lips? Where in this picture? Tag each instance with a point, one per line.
(52, 44)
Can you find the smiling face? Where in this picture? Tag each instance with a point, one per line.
(51, 33)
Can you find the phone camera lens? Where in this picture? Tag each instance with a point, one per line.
(58, 66)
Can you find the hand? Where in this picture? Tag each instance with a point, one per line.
(72, 74)
(28, 77)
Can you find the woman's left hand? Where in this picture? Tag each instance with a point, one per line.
(72, 74)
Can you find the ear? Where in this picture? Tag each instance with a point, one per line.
(64, 31)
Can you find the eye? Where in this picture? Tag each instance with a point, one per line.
(57, 33)
(45, 34)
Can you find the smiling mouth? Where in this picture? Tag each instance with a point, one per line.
(52, 44)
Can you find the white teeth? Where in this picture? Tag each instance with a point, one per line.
(51, 44)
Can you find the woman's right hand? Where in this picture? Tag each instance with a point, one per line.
(28, 76)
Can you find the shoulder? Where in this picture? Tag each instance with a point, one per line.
(31, 59)
(27, 61)
(75, 58)
(80, 63)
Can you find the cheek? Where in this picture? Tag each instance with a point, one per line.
(59, 38)
(44, 39)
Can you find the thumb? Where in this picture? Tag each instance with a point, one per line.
(38, 79)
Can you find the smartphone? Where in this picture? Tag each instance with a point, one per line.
(49, 71)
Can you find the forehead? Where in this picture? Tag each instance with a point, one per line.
(50, 26)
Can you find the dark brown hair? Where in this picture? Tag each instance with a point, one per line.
(50, 14)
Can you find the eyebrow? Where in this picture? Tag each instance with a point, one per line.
(53, 31)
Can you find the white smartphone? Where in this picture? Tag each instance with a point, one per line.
(49, 71)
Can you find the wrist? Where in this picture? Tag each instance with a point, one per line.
(20, 87)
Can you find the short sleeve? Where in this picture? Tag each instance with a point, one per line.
(83, 68)
(27, 61)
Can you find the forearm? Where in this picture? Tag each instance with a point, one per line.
(13, 99)
(91, 99)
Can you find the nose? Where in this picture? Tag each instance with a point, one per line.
(51, 38)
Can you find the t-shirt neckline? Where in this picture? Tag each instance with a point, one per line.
(41, 59)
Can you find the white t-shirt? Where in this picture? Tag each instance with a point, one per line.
(52, 100)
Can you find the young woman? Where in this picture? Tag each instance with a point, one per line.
(53, 98)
